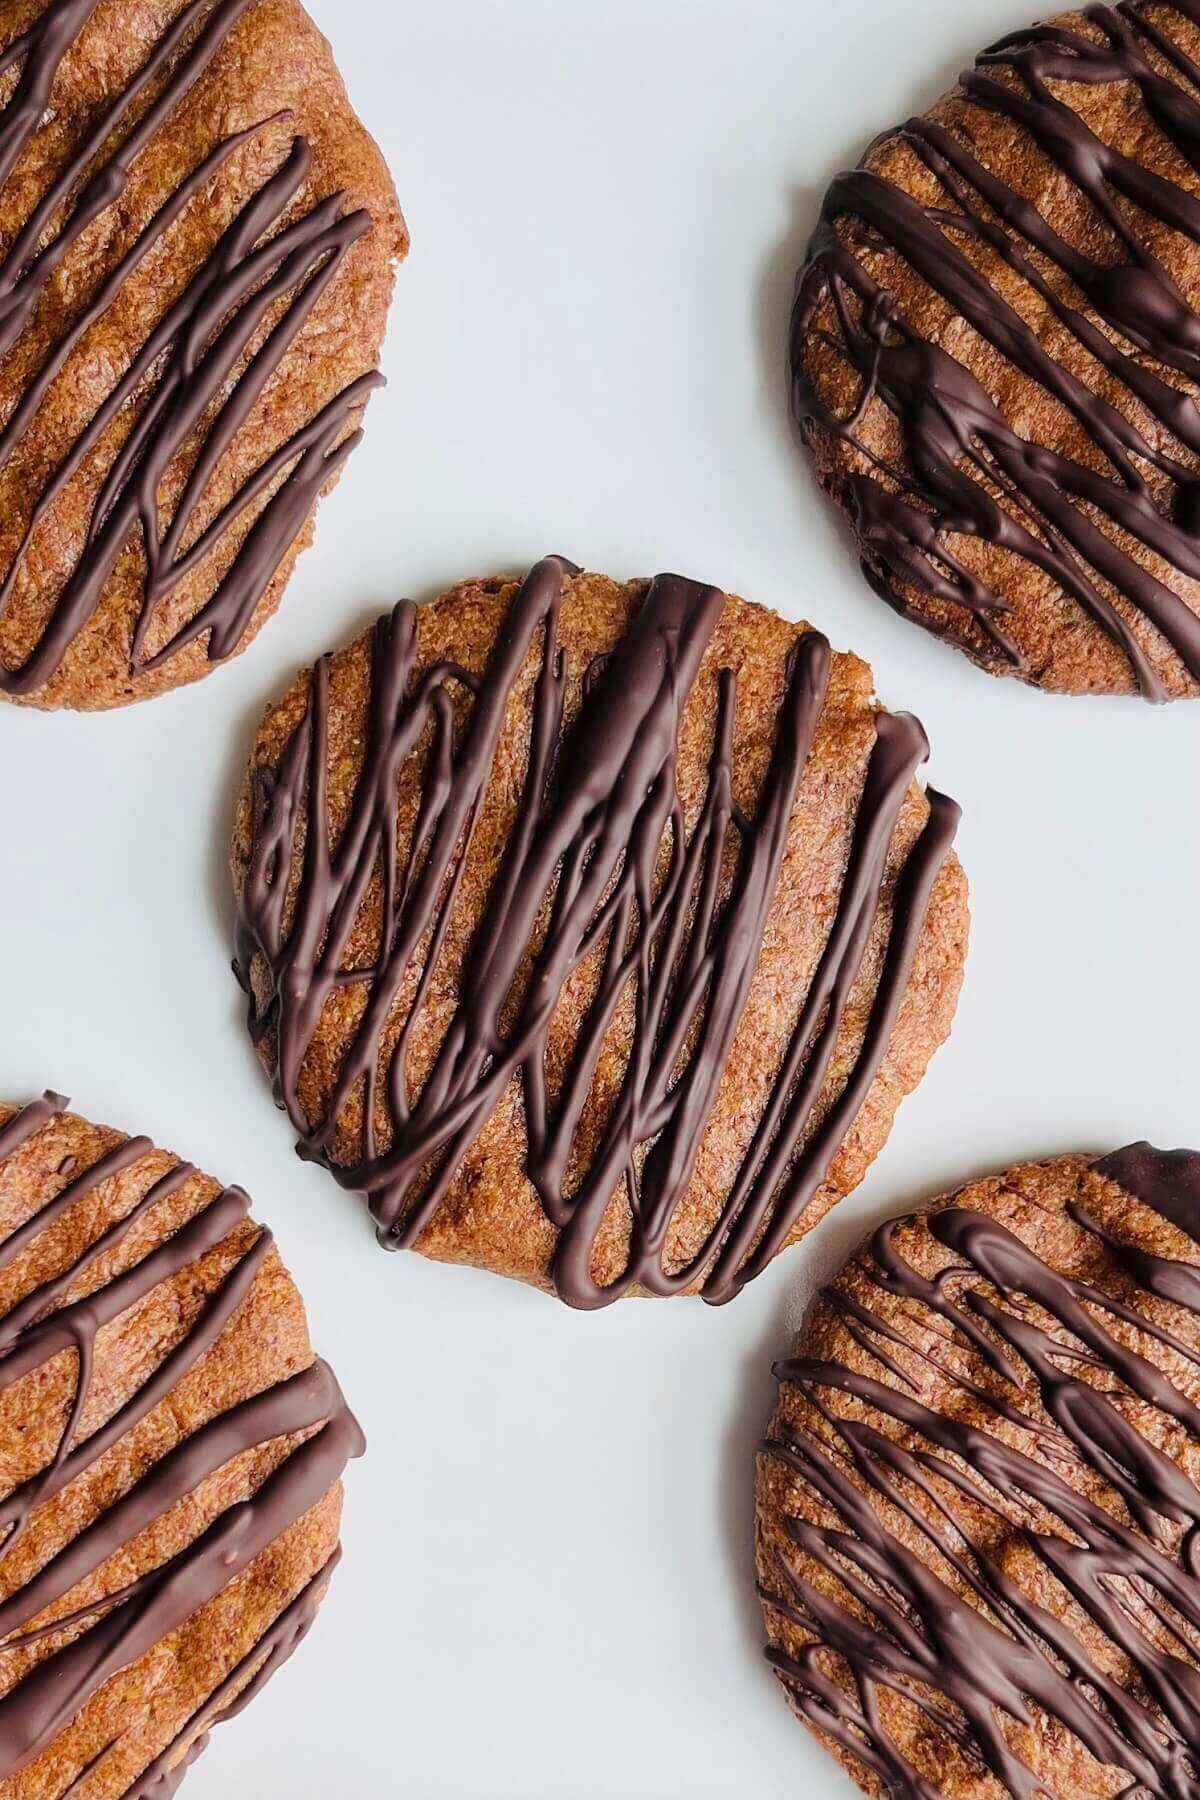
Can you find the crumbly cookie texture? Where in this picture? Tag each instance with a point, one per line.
(594, 931)
(979, 1494)
(170, 1460)
(197, 248)
(995, 354)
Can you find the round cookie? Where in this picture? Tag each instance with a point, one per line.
(170, 1460)
(594, 932)
(995, 354)
(979, 1498)
(197, 240)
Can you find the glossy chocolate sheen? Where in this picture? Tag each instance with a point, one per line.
(1094, 525)
(1107, 1516)
(120, 1628)
(599, 822)
(263, 272)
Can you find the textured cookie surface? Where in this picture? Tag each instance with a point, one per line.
(996, 355)
(170, 1461)
(196, 249)
(979, 1497)
(594, 932)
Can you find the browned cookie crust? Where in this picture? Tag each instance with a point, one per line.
(197, 241)
(170, 1456)
(595, 932)
(979, 1499)
(996, 355)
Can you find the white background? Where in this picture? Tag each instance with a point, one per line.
(547, 1590)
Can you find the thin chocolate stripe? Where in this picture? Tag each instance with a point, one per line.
(197, 345)
(1120, 1541)
(164, 1775)
(599, 818)
(958, 443)
(128, 1621)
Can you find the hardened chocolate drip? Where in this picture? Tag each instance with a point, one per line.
(600, 852)
(163, 1777)
(128, 1621)
(1119, 1541)
(259, 274)
(958, 443)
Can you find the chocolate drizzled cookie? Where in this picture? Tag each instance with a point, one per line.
(170, 1456)
(979, 1498)
(196, 240)
(593, 932)
(996, 355)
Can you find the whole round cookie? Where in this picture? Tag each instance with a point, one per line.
(979, 1498)
(594, 932)
(197, 240)
(170, 1460)
(996, 354)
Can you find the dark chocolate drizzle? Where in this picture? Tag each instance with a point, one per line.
(130, 1620)
(958, 443)
(235, 1693)
(600, 861)
(982, 1663)
(260, 274)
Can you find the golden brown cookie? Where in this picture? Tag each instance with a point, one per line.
(979, 1499)
(197, 240)
(170, 1460)
(594, 932)
(996, 355)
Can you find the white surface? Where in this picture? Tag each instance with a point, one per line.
(547, 1589)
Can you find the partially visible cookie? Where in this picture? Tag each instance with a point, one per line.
(996, 355)
(979, 1497)
(197, 240)
(595, 932)
(170, 1460)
